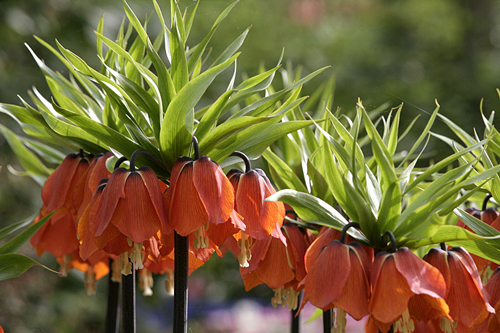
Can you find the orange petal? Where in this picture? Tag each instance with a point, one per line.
(274, 269)
(112, 193)
(135, 215)
(186, 211)
(463, 290)
(390, 290)
(422, 277)
(328, 274)
(356, 292)
(214, 189)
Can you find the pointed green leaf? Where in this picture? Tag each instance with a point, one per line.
(17, 242)
(175, 134)
(316, 211)
(13, 265)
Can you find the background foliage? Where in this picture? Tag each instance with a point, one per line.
(381, 51)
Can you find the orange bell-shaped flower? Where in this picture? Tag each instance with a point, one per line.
(339, 277)
(58, 234)
(250, 190)
(397, 279)
(463, 285)
(199, 194)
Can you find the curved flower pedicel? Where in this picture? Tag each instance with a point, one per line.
(463, 286)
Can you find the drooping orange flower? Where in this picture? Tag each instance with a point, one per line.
(89, 181)
(124, 212)
(463, 285)
(398, 280)
(250, 189)
(132, 204)
(58, 234)
(200, 196)
(339, 277)
(492, 323)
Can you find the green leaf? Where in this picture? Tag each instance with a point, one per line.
(283, 172)
(16, 226)
(390, 208)
(209, 119)
(28, 160)
(422, 135)
(315, 211)
(175, 134)
(13, 265)
(17, 242)
(443, 233)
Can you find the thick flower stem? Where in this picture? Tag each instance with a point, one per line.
(128, 302)
(111, 325)
(327, 321)
(295, 326)
(181, 283)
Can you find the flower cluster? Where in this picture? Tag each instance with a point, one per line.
(130, 216)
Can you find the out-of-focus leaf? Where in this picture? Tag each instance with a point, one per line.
(16, 226)
(28, 160)
(13, 265)
(17, 242)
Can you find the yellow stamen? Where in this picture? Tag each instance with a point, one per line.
(448, 326)
(65, 264)
(201, 240)
(125, 264)
(405, 324)
(116, 274)
(245, 255)
(169, 282)
(340, 321)
(279, 295)
(146, 282)
(90, 284)
(292, 298)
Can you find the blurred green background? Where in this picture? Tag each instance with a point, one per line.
(412, 51)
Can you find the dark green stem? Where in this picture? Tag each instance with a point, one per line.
(485, 201)
(392, 239)
(145, 153)
(327, 321)
(345, 228)
(181, 283)
(443, 246)
(111, 324)
(295, 325)
(119, 162)
(245, 159)
(128, 302)
(196, 148)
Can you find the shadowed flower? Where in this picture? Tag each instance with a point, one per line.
(492, 323)
(463, 285)
(398, 281)
(250, 190)
(339, 277)
(199, 194)
(58, 235)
